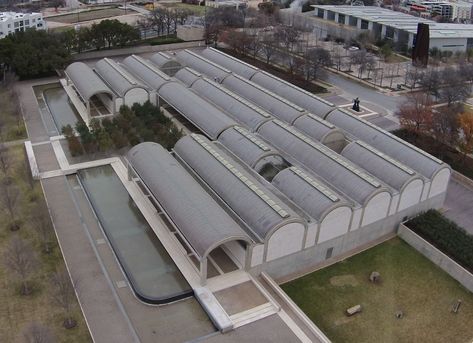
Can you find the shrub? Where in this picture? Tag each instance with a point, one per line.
(446, 236)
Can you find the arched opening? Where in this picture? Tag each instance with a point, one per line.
(225, 258)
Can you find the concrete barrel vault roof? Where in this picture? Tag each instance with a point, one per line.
(308, 192)
(202, 65)
(208, 118)
(387, 169)
(239, 108)
(246, 145)
(337, 171)
(413, 157)
(229, 62)
(200, 219)
(188, 76)
(117, 77)
(297, 95)
(86, 81)
(318, 129)
(146, 71)
(259, 208)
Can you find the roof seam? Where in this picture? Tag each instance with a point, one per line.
(314, 184)
(245, 133)
(422, 152)
(249, 184)
(332, 155)
(151, 67)
(386, 157)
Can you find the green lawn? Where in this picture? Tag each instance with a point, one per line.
(409, 282)
(18, 311)
(88, 15)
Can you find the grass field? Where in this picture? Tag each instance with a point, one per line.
(409, 282)
(198, 10)
(18, 311)
(88, 15)
(12, 126)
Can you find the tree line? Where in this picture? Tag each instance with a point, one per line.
(130, 126)
(438, 110)
(29, 244)
(165, 20)
(37, 53)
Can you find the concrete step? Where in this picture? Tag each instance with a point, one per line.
(252, 315)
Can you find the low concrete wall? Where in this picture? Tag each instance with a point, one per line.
(436, 256)
(135, 50)
(312, 258)
(462, 179)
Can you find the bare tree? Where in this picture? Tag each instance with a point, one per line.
(9, 196)
(5, 160)
(269, 49)
(445, 124)
(416, 112)
(37, 333)
(454, 88)
(63, 294)
(430, 81)
(41, 223)
(316, 59)
(20, 259)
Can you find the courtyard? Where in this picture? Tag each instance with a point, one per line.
(409, 283)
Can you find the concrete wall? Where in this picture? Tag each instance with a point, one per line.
(190, 33)
(314, 256)
(135, 50)
(450, 44)
(436, 256)
(285, 240)
(411, 194)
(335, 224)
(136, 95)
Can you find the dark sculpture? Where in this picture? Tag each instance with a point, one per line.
(420, 49)
(356, 105)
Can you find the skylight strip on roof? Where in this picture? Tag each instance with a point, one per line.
(321, 121)
(151, 67)
(314, 184)
(245, 133)
(130, 79)
(238, 98)
(433, 158)
(192, 71)
(386, 157)
(329, 153)
(235, 59)
(254, 188)
(297, 88)
(274, 95)
(208, 61)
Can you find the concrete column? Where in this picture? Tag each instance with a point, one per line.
(347, 19)
(358, 23)
(410, 41)
(370, 25)
(336, 17)
(325, 14)
(396, 35)
(383, 31)
(203, 271)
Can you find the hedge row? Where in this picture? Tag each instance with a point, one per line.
(446, 236)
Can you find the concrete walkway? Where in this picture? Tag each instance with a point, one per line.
(104, 317)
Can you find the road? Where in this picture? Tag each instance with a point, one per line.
(382, 103)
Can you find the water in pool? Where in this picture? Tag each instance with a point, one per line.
(153, 275)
